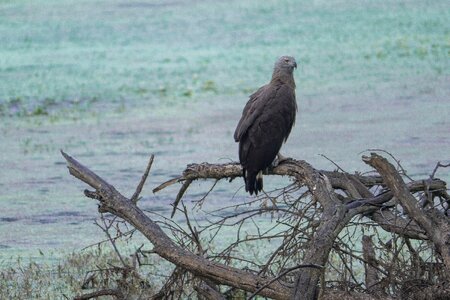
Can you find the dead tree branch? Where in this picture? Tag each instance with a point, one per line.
(207, 292)
(116, 293)
(371, 267)
(113, 202)
(435, 224)
(316, 215)
(138, 191)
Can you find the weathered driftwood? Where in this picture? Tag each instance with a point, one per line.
(337, 211)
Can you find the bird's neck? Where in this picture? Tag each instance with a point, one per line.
(283, 78)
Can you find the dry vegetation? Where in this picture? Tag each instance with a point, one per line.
(332, 235)
(92, 268)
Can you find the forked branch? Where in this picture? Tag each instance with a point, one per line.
(433, 222)
(114, 202)
(335, 197)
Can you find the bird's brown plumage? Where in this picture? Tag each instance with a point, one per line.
(266, 123)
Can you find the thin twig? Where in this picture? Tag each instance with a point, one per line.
(136, 194)
(183, 189)
(194, 233)
(113, 242)
(330, 160)
(199, 203)
(439, 165)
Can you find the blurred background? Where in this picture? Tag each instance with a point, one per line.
(111, 82)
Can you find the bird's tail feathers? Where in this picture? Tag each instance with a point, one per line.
(253, 182)
(259, 182)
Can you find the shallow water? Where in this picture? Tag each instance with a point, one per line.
(113, 82)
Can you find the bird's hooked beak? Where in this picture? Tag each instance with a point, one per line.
(295, 64)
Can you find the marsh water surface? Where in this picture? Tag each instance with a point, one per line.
(111, 82)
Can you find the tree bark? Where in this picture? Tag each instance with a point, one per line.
(207, 292)
(337, 211)
(371, 276)
(433, 222)
(113, 202)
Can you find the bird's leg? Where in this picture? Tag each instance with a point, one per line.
(279, 159)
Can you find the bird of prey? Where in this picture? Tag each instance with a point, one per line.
(266, 122)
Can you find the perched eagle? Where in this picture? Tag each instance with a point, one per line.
(266, 122)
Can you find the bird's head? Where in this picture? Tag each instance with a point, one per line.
(286, 63)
